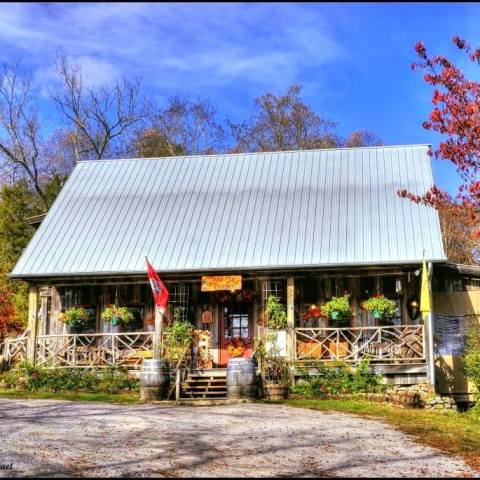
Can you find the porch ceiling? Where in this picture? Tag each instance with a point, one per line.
(314, 208)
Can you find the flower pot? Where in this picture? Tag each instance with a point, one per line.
(150, 327)
(275, 391)
(117, 328)
(73, 329)
(378, 314)
(335, 315)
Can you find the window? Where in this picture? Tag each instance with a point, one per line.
(236, 321)
(274, 287)
(179, 301)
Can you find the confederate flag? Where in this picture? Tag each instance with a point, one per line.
(159, 290)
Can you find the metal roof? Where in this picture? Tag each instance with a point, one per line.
(238, 211)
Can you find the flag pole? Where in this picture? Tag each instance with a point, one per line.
(157, 335)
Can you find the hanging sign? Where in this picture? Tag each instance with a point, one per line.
(225, 282)
(207, 316)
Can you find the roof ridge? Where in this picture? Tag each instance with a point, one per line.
(227, 154)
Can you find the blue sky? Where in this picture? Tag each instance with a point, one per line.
(353, 60)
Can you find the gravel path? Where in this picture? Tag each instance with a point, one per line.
(59, 438)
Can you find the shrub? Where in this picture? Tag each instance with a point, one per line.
(339, 378)
(33, 378)
(177, 339)
(471, 363)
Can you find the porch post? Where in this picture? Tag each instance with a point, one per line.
(290, 319)
(430, 332)
(32, 323)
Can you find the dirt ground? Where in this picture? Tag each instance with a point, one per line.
(60, 438)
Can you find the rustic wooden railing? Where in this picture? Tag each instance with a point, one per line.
(15, 349)
(93, 350)
(392, 344)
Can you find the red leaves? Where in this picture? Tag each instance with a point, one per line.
(421, 50)
(456, 116)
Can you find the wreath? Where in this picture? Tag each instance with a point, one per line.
(236, 348)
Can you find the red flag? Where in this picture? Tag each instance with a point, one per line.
(159, 290)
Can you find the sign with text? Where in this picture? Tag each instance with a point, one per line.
(224, 282)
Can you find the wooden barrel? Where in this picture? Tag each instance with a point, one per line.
(241, 378)
(274, 391)
(154, 380)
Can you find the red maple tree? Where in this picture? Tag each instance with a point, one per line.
(456, 116)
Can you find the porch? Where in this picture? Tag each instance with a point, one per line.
(220, 316)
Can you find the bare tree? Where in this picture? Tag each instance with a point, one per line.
(20, 141)
(190, 125)
(99, 117)
(363, 138)
(283, 122)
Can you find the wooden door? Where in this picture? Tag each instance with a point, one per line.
(236, 320)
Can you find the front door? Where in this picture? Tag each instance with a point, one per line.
(236, 322)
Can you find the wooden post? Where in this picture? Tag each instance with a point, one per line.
(290, 319)
(177, 384)
(32, 323)
(157, 336)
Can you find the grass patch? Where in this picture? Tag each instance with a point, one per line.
(128, 397)
(452, 432)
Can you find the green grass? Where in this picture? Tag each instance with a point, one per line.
(452, 432)
(129, 397)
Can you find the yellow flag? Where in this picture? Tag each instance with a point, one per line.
(425, 302)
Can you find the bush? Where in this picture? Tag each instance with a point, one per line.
(471, 357)
(177, 339)
(339, 378)
(471, 364)
(32, 378)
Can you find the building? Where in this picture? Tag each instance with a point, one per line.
(302, 225)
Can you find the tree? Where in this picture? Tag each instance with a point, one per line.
(456, 117)
(362, 138)
(458, 227)
(151, 142)
(99, 118)
(283, 122)
(17, 203)
(190, 126)
(20, 143)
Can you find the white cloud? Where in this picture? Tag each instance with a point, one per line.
(173, 44)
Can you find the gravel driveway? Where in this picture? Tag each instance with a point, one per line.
(59, 438)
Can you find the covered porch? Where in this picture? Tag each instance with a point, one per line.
(220, 316)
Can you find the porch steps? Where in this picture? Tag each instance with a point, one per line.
(205, 384)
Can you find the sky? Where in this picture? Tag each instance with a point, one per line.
(353, 60)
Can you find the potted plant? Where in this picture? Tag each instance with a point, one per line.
(338, 309)
(74, 318)
(277, 324)
(381, 307)
(275, 372)
(117, 316)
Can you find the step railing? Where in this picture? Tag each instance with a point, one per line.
(15, 349)
(390, 344)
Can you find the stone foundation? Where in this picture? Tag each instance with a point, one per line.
(420, 396)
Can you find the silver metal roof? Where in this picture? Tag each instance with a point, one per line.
(238, 211)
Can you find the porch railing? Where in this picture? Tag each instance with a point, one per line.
(392, 344)
(93, 350)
